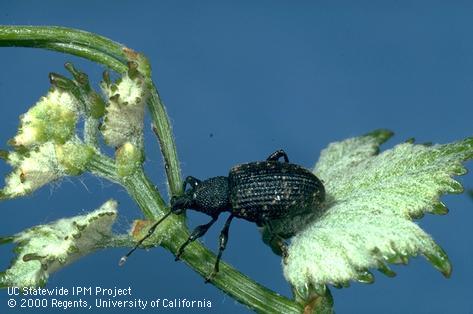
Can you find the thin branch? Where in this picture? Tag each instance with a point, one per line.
(35, 36)
(162, 129)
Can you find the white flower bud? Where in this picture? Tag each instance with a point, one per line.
(52, 118)
(123, 121)
(128, 159)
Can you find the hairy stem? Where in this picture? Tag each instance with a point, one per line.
(76, 42)
(104, 167)
(145, 194)
(120, 240)
(162, 129)
(91, 128)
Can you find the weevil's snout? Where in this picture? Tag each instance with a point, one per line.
(180, 203)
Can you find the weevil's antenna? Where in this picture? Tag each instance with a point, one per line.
(150, 232)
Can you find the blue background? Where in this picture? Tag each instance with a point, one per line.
(241, 80)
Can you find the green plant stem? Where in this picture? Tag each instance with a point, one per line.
(145, 194)
(149, 199)
(80, 51)
(162, 128)
(91, 128)
(120, 240)
(67, 40)
(104, 167)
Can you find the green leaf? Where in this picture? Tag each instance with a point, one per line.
(44, 249)
(371, 201)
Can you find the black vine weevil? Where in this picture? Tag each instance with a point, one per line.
(257, 191)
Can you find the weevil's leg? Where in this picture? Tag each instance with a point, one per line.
(278, 241)
(276, 155)
(196, 233)
(193, 182)
(223, 239)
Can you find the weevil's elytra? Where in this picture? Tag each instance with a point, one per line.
(259, 192)
(272, 190)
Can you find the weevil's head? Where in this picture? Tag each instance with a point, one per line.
(210, 197)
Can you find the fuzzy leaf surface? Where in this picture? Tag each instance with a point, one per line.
(371, 201)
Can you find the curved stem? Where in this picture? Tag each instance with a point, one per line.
(162, 129)
(22, 35)
(70, 48)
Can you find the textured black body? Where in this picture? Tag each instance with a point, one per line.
(266, 190)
